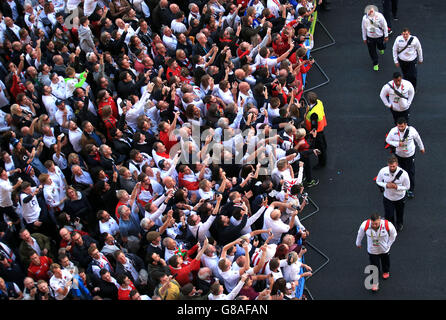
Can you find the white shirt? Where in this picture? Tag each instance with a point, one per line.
(59, 115)
(178, 27)
(58, 178)
(84, 178)
(170, 42)
(89, 6)
(49, 140)
(203, 228)
(59, 89)
(5, 193)
(277, 226)
(231, 277)
(291, 272)
(395, 102)
(212, 263)
(75, 139)
(50, 105)
(410, 53)
(251, 220)
(3, 99)
(379, 241)
(273, 5)
(377, 29)
(227, 96)
(53, 196)
(403, 183)
(408, 149)
(230, 296)
(30, 210)
(110, 226)
(56, 283)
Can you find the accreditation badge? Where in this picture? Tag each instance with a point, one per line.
(396, 99)
(375, 242)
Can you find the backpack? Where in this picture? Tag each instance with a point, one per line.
(367, 225)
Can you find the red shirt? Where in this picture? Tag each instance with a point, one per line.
(110, 123)
(173, 72)
(184, 274)
(110, 102)
(40, 272)
(164, 137)
(124, 294)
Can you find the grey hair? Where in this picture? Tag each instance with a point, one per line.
(144, 222)
(121, 209)
(370, 6)
(223, 123)
(204, 272)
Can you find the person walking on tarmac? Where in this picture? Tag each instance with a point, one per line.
(407, 53)
(403, 138)
(381, 234)
(374, 33)
(315, 121)
(398, 95)
(395, 182)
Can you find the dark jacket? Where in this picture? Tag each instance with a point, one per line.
(107, 290)
(135, 261)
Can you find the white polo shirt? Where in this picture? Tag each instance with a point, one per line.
(56, 283)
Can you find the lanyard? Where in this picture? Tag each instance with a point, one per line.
(376, 240)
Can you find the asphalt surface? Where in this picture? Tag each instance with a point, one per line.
(357, 124)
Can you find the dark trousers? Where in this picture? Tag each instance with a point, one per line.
(380, 260)
(409, 70)
(372, 45)
(398, 114)
(390, 207)
(408, 164)
(390, 7)
(321, 143)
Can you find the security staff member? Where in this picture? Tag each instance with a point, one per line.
(315, 121)
(395, 182)
(406, 53)
(403, 138)
(397, 95)
(381, 234)
(374, 33)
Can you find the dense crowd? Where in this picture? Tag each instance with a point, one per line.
(155, 149)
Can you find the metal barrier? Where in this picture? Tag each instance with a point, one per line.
(333, 41)
(323, 73)
(317, 250)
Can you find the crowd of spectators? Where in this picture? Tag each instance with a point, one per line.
(154, 149)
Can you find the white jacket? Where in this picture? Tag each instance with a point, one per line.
(379, 241)
(403, 183)
(408, 149)
(410, 53)
(393, 100)
(377, 29)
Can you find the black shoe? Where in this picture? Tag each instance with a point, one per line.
(318, 166)
(395, 18)
(399, 227)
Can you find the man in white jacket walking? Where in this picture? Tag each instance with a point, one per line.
(398, 95)
(381, 234)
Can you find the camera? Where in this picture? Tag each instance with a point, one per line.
(295, 207)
